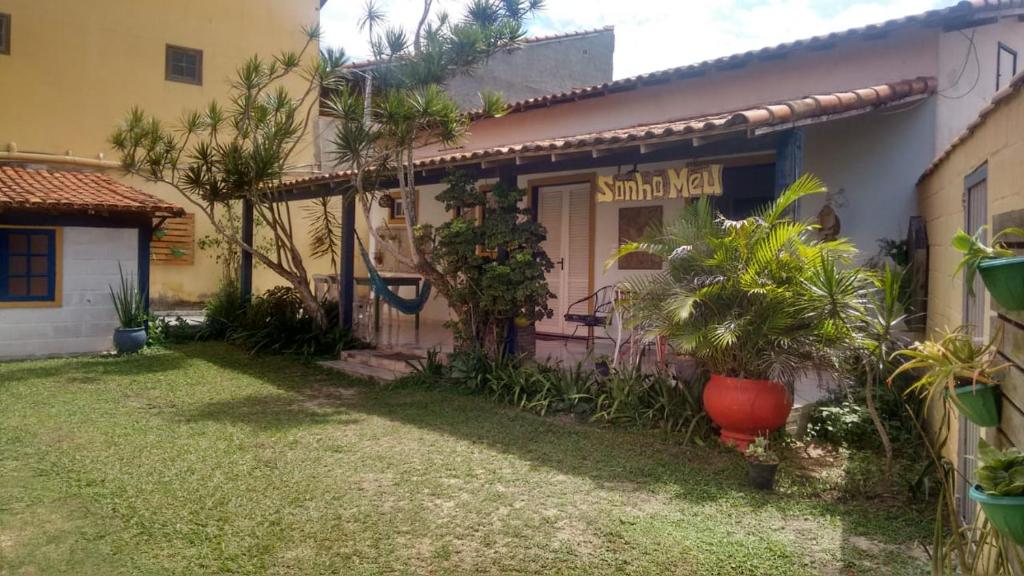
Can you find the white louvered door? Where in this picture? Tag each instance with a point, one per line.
(565, 213)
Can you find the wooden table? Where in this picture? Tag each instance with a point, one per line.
(395, 281)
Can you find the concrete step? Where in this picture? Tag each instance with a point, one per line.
(361, 370)
(796, 424)
(393, 360)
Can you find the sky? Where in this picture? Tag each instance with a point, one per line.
(654, 34)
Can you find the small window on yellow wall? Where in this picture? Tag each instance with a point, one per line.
(29, 266)
(5, 33)
(183, 65)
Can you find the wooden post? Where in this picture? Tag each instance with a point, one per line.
(145, 235)
(346, 260)
(789, 159)
(245, 271)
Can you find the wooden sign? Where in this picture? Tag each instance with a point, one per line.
(686, 182)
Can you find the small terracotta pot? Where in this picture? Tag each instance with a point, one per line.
(745, 409)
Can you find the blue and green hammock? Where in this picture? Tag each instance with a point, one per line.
(408, 306)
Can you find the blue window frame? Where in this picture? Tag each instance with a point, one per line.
(28, 265)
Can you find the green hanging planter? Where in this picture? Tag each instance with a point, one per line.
(979, 403)
(1004, 279)
(1006, 513)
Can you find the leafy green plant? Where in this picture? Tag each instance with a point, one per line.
(842, 419)
(948, 362)
(494, 267)
(626, 396)
(128, 301)
(1002, 471)
(223, 310)
(757, 298)
(976, 251)
(759, 451)
(277, 322)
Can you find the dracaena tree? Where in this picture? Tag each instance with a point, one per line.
(398, 104)
(243, 148)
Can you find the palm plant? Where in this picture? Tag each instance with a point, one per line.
(759, 298)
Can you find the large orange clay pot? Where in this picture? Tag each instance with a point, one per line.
(745, 409)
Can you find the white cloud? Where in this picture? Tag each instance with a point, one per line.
(656, 34)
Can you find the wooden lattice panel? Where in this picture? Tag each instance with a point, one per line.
(173, 243)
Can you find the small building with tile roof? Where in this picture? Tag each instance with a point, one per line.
(65, 237)
(865, 109)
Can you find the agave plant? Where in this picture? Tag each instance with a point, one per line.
(758, 298)
(128, 301)
(945, 363)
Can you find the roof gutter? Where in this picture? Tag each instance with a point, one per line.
(40, 158)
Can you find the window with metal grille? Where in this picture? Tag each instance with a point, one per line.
(28, 265)
(184, 65)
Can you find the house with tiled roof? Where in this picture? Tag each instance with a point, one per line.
(71, 71)
(865, 109)
(66, 237)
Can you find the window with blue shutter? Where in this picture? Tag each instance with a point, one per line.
(28, 265)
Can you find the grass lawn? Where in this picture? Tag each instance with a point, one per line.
(199, 459)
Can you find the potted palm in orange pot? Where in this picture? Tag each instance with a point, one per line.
(759, 301)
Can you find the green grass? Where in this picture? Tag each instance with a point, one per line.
(199, 460)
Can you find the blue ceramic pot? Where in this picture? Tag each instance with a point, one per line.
(128, 340)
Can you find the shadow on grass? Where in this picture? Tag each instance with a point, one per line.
(625, 459)
(273, 412)
(628, 461)
(89, 369)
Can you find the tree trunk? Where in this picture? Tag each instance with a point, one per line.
(883, 434)
(310, 303)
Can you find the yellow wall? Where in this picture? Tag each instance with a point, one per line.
(76, 68)
(999, 141)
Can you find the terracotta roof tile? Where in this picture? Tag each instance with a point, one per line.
(57, 190)
(774, 114)
(950, 14)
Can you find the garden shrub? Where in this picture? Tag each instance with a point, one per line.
(223, 310)
(842, 419)
(625, 396)
(276, 322)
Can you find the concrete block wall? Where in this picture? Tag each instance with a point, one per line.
(85, 320)
(999, 144)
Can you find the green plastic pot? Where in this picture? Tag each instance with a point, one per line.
(979, 403)
(1004, 279)
(1006, 513)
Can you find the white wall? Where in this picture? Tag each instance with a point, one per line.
(871, 163)
(85, 321)
(961, 100)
